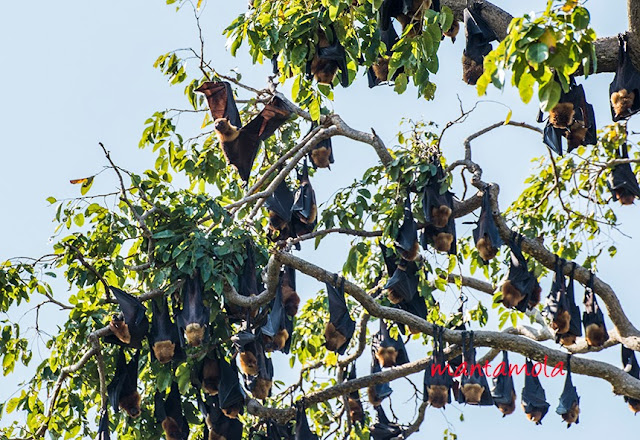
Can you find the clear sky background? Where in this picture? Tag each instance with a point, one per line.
(76, 73)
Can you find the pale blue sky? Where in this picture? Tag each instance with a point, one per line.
(76, 73)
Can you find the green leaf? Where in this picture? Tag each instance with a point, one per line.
(314, 109)
(78, 219)
(508, 118)
(51, 200)
(86, 185)
(549, 95)
(537, 53)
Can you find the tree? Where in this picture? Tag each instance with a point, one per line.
(154, 236)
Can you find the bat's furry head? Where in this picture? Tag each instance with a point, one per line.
(438, 395)
(210, 376)
(572, 416)
(561, 322)
(194, 333)
(508, 408)
(172, 430)
(471, 71)
(131, 404)
(261, 388)
(511, 296)
(453, 31)
(561, 116)
(472, 393)
(576, 135)
(485, 248)
(596, 335)
(374, 399)
(248, 363)
(442, 241)
(440, 216)
(280, 339)
(625, 197)
(567, 339)
(356, 412)
(387, 356)
(622, 101)
(225, 130)
(535, 416)
(381, 69)
(276, 223)
(234, 410)
(333, 338)
(290, 300)
(394, 297)
(321, 157)
(164, 351)
(412, 253)
(324, 71)
(634, 405)
(120, 328)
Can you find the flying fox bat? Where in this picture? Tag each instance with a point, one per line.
(569, 405)
(557, 306)
(208, 377)
(521, 290)
(377, 393)
(290, 298)
(383, 429)
(321, 155)
(279, 206)
(575, 323)
(437, 387)
(193, 318)
(622, 181)
(217, 425)
(630, 365)
(441, 239)
(247, 285)
(356, 411)
(257, 369)
(164, 338)
(240, 144)
(379, 71)
(303, 432)
(437, 200)
(486, 234)
(329, 57)
(123, 389)
(130, 326)
(625, 87)
(388, 351)
(478, 36)
(573, 117)
(340, 328)
(168, 412)
(277, 330)
(534, 400)
(593, 319)
(304, 210)
(503, 391)
(407, 238)
(474, 388)
(230, 394)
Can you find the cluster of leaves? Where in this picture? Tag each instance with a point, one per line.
(287, 30)
(543, 51)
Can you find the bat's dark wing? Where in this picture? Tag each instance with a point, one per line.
(476, 376)
(430, 233)
(626, 77)
(519, 275)
(557, 300)
(274, 114)
(221, 101)
(114, 389)
(164, 329)
(591, 138)
(339, 314)
(281, 201)
(404, 281)
(622, 177)
(382, 390)
(408, 231)
(103, 428)
(398, 344)
(434, 197)
(437, 372)
(229, 391)
(383, 429)
(486, 227)
(552, 138)
(335, 52)
(304, 207)
(569, 396)
(575, 326)
(275, 319)
(592, 312)
(352, 376)
(173, 409)
(303, 432)
(323, 144)
(478, 34)
(533, 395)
(630, 363)
(248, 281)
(193, 310)
(503, 389)
(388, 10)
(417, 306)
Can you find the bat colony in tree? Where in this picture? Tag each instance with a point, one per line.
(183, 322)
